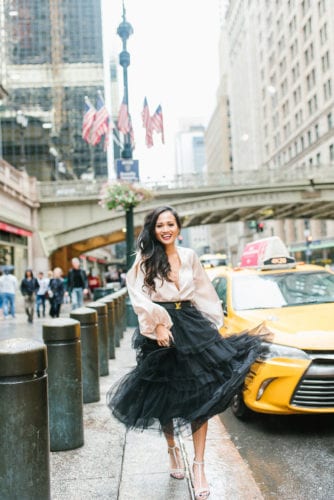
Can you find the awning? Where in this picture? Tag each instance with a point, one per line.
(14, 230)
(315, 245)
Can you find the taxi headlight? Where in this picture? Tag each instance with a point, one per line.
(282, 351)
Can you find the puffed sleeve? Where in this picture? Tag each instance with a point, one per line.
(205, 296)
(150, 315)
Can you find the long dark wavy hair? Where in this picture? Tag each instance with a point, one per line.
(154, 258)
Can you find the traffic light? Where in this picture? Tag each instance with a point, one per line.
(259, 227)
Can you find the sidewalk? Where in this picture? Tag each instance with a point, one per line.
(117, 465)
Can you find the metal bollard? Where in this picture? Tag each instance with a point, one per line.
(118, 328)
(24, 443)
(89, 352)
(102, 321)
(62, 339)
(111, 324)
(122, 294)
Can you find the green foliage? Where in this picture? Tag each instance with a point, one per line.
(124, 195)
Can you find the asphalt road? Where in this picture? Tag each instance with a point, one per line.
(291, 457)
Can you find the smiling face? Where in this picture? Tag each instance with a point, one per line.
(166, 228)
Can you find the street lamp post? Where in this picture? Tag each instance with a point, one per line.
(124, 31)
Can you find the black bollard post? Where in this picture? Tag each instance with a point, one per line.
(111, 324)
(102, 321)
(122, 293)
(24, 427)
(89, 352)
(116, 316)
(62, 339)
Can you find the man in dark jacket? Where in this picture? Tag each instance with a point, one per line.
(77, 284)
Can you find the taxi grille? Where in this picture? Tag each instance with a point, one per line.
(316, 388)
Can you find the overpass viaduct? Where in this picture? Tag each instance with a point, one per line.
(72, 222)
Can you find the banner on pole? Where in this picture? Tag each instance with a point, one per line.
(127, 170)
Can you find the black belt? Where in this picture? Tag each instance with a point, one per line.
(175, 305)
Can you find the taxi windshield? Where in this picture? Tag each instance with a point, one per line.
(282, 290)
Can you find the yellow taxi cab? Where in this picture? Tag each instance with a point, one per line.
(294, 303)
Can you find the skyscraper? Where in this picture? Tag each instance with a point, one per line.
(51, 57)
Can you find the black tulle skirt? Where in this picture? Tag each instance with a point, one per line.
(187, 383)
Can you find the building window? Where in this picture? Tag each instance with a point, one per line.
(294, 49)
(316, 131)
(292, 25)
(318, 157)
(310, 80)
(309, 137)
(327, 89)
(323, 34)
(307, 29)
(321, 7)
(325, 62)
(305, 5)
(310, 161)
(312, 104)
(330, 120)
(331, 152)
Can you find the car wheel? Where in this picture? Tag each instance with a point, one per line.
(238, 407)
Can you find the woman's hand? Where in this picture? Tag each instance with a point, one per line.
(164, 336)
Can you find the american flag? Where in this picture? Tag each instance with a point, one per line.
(158, 123)
(123, 122)
(147, 124)
(88, 120)
(101, 122)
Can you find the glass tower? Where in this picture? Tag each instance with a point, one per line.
(51, 59)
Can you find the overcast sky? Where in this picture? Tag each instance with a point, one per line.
(174, 62)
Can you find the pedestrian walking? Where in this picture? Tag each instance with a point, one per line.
(56, 292)
(29, 287)
(9, 286)
(186, 371)
(77, 284)
(1, 296)
(41, 293)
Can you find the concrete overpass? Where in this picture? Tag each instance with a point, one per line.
(72, 222)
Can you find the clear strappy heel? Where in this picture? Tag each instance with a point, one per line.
(201, 493)
(175, 458)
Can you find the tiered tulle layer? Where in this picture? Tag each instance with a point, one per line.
(186, 383)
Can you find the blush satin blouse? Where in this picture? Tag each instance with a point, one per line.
(194, 285)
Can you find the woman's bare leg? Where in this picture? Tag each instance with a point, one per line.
(175, 458)
(199, 440)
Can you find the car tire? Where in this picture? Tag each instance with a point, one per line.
(238, 407)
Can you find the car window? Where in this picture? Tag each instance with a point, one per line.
(220, 286)
(254, 292)
(282, 290)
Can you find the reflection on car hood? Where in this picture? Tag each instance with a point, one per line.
(304, 327)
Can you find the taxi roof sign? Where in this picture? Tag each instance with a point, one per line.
(266, 253)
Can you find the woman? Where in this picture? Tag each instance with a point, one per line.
(186, 371)
(56, 292)
(29, 287)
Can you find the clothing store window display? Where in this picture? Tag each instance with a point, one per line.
(186, 371)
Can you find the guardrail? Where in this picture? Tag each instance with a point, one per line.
(263, 177)
(19, 183)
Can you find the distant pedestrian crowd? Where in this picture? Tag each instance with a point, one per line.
(51, 290)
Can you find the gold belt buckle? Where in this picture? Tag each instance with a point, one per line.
(177, 305)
